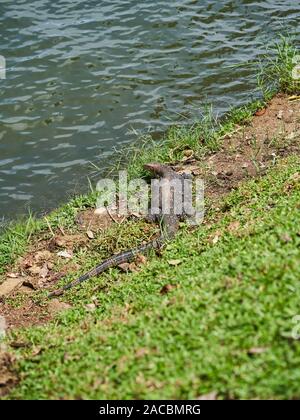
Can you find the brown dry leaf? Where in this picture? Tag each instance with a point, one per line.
(68, 241)
(43, 256)
(212, 396)
(35, 270)
(44, 271)
(174, 262)
(90, 234)
(128, 267)
(136, 214)
(36, 351)
(90, 307)
(260, 112)
(124, 266)
(141, 259)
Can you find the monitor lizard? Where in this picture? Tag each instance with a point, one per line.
(169, 226)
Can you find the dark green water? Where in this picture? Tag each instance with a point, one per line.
(82, 74)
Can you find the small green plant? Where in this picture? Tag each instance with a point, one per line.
(277, 68)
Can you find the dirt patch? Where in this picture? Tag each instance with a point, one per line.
(249, 151)
(48, 260)
(96, 220)
(26, 313)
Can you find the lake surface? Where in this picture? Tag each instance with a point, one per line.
(83, 76)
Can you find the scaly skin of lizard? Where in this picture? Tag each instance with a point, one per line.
(170, 223)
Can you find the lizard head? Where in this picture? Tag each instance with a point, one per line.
(158, 169)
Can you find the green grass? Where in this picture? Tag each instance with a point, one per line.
(277, 65)
(232, 296)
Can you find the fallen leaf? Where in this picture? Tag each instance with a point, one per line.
(215, 240)
(260, 112)
(90, 234)
(212, 396)
(124, 266)
(141, 259)
(13, 275)
(43, 255)
(90, 307)
(44, 271)
(65, 254)
(35, 270)
(257, 350)
(280, 115)
(36, 351)
(128, 267)
(174, 262)
(68, 241)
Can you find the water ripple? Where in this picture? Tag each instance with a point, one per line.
(81, 75)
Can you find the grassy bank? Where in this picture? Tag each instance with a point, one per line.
(214, 314)
(225, 326)
(202, 138)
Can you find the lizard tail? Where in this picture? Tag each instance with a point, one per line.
(113, 261)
